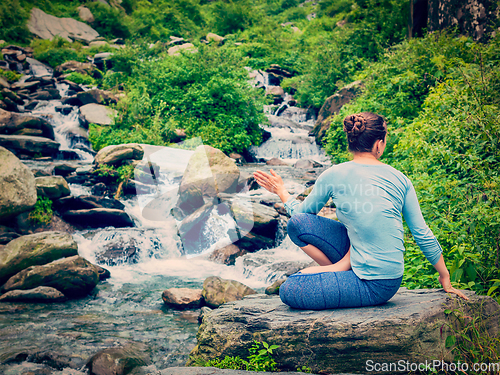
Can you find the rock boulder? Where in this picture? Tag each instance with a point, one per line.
(98, 218)
(183, 298)
(217, 291)
(73, 276)
(46, 26)
(17, 185)
(118, 154)
(211, 171)
(97, 114)
(332, 106)
(13, 123)
(39, 294)
(53, 187)
(34, 249)
(412, 327)
(29, 145)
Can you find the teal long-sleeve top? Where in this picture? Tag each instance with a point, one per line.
(370, 199)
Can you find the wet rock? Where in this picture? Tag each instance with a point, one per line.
(74, 66)
(217, 291)
(39, 294)
(31, 105)
(64, 109)
(29, 145)
(34, 249)
(186, 47)
(411, 326)
(276, 92)
(103, 272)
(4, 84)
(119, 154)
(17, 185)
(258, 218)
(6, 93)
(96, 96)
(98, 218)
(12, 123)
(191, 226)
(85, 202)
(183, 298)
(99, 189)
(120, 252)
(137, 187)
(46, 26)
(227, 254)
(85, 14)
(7, 235)
(64, 169)
(274, 288)
(39, 70)
(332, 106)
(97, 114)
(73, 276)
(276, 161)
(252, 242)
(119, 360)
(45, 95)
(211, 171)
(31, 86)
(306, 163)
(279, 71)
(53, 187)
(190, 198)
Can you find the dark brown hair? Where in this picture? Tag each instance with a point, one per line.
(363, 130)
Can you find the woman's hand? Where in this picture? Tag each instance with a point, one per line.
(446, 283)
(271, 182)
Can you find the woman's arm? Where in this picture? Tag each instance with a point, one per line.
(272, 183)
(313, 203)
(444, 278)
(426, 240)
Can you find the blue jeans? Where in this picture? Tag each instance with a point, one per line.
(330, 290)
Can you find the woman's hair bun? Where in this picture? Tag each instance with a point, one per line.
(354, 125)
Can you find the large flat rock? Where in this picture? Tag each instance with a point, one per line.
(412, 327)
(46, 26)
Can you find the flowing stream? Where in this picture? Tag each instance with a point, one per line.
(128, 307)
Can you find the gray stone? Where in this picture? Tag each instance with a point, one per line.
(38, 69)
(412, 327)
(53, 187)
(98, 218)
(97, 114)
(332, 106)
(34, 249)
(217, 291)
(306, 163)
(39, 294)
(118, 154)
(29, 145)
(227, 254)
(187, 47)
(73, 276)
(211, 171)
(183, 298)
(46, 26)
(17, 185)
(13, 123)
(85, 14)
(118, 360)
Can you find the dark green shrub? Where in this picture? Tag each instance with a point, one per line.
(109, 21)
(13, 20)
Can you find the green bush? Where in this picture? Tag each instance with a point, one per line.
(109, 21)
(80, 79)
(42, 213)
(57, 51)
(206, 93)
(13, 20)
(9, 75)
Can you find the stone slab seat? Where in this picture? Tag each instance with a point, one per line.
(412, 327)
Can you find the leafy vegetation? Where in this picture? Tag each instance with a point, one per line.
(440, 97)
(42, 213)
(471, 342)
(260, 359)
(9, 75)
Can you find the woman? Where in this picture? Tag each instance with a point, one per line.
(360, 256)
